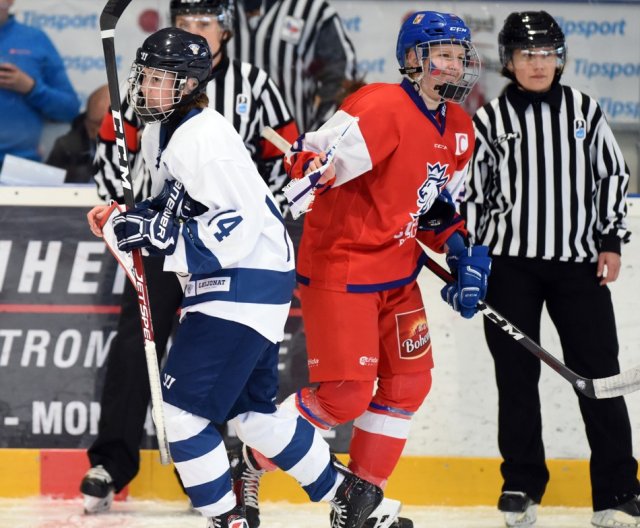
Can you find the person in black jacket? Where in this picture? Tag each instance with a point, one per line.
(75, 150)
(547, 194)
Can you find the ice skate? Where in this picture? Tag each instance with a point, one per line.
(519, 509)
(626, 515)
(354, 501)
(386, 516)
(97, 490)
(232, 519)
(246, 482)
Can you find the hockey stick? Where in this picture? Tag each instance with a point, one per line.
(610, 387)
(275, 139)
(300, 193)
(108, 21)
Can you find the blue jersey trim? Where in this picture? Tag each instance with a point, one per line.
(407, 86)
(200, 259)
(274, 210)
(386, 408)
(242, 285)
(371, 288)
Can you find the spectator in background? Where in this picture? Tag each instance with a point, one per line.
(547, 195)
(34, 86)
(75, 150)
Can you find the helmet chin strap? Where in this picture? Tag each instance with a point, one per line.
(219, 52)
(446, 90)
(418, 87)
(417, 81)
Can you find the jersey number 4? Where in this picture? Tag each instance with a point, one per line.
(225, 226)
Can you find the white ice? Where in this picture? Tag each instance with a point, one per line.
(52, 513)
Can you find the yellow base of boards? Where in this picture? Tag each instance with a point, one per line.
(422, 481)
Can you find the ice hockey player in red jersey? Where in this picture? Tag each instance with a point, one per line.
(393, 180)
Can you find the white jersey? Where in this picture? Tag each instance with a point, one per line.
(236, 260)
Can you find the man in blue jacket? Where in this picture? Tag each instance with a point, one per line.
(34, 86)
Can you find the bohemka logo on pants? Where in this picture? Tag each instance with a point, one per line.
(414, 340)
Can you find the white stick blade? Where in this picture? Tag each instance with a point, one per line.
(618, 385)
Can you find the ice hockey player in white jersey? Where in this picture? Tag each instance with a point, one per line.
(216, 223)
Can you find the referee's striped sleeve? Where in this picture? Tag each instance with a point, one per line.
(480, 166)
(548, 178)
(107, 163)
(613, 174)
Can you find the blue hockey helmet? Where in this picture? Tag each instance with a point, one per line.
(430, 26)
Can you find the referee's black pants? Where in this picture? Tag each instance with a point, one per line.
(126, 393)
(582, 313)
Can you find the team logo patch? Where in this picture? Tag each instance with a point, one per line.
(292, 30)
(414, 340)
(195, 49)
(579, 128)
(418, 18)
(462, 143)
(242, 105)
(214, 284)
(436, 180)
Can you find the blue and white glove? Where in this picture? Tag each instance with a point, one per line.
(175, 198)
(157, 231)
(471, 266)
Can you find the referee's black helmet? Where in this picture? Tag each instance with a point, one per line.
(531, 29)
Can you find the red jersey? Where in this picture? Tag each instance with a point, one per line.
(361, 234)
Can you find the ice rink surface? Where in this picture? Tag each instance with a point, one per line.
(51, 513)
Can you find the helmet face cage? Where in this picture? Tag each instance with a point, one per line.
(220, 10)
(422, 31)
(457, 91)
(529, 31)
(163, 64)
(167, 93)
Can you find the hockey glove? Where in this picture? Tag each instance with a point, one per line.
(297, 161)
(471, 266)
(156, 231)
(175, 198)
(439, 214)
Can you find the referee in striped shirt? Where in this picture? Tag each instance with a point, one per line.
(547, 194)
(250, 100)
(303, 45)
